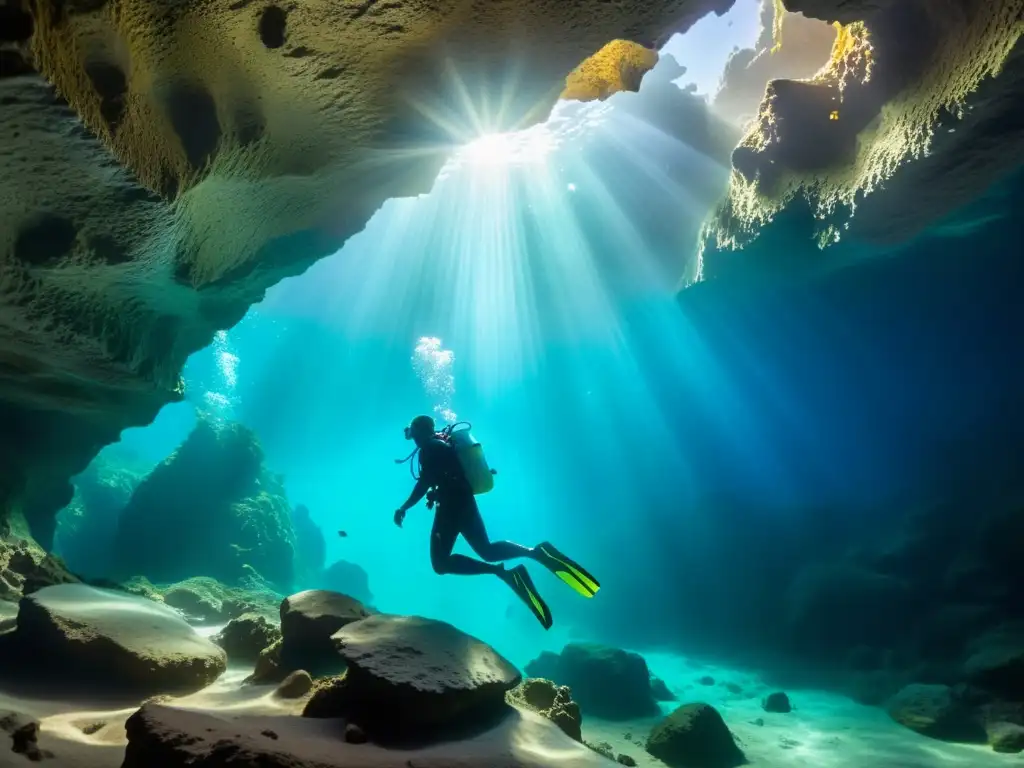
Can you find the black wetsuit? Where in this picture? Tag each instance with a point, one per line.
(456, 513)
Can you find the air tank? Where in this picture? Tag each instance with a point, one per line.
(474, 463)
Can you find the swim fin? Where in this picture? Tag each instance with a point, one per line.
(519, 579)
(572, 573)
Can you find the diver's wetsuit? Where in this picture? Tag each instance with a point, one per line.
(456, 512)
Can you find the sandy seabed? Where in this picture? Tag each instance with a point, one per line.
(822, 731)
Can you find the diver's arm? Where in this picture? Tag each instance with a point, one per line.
(418, 492)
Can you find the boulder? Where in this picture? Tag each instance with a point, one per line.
(163, 736)
(1006, 737)
(607, 682)
(244, 638)
(551, 701)
(777, 702)
(23, 732)
(996, 663)
(241, 520)
(408, 676)
(296, 685)
(694, 736)
(308, 619)
(935, 711)
(80, 635)
(660, 691)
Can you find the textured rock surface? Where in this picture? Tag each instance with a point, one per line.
(172, 738)
(551, 701)
(618, 66)
(794, 47)
(25, 568)
(87, 526)
(914, 116)
(79, 636)
(694, 736)
(409, 675)
(310, 618)
(935, 711)
(1006, 737)
(210, 509)
(244, 638)
(295, 685)
(607, 682)
(162, 195)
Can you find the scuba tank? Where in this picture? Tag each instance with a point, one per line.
(469, 452)
(471, 457)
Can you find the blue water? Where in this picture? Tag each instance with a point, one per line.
(682, 446)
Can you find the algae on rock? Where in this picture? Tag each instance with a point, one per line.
(210, 509)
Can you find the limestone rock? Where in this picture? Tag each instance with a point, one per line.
(240, 521)
(183, 149)
(619, 66)
(694, 736)
(997, 664)
(87, 526)
(81, 635)
(1006, 737)
(310, 618)
(777, 702)
(23, 732)
(268, 666)
(607, 682)
(551, 701)
(660, 691)
(245, 638)
(409, 675)
(935, 711)
(890, 123)
(175, 738)
(296, 685)
(792, 47)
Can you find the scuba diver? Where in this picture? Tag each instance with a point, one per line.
(445, 479)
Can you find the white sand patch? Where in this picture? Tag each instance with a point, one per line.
(822, 731)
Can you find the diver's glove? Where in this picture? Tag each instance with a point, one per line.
(399, 517)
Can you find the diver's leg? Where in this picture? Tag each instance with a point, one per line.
(475, 532)
(442, 541)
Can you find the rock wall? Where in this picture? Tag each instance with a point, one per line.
(164, 163)
(210, 509)
(793, 47)
(916, 115)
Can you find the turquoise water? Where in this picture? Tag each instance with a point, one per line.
(735, 462)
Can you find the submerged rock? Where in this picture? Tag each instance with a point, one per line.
(607, 682)
(296, 685)
(694, 736)
(409, 676)
(308, 621)
(245, 638)
(165, 737)
(1006, 737)
(935, 711)
(660, 691)
(23, 732)
(310, 618)
(310, 550)
(777, 702)
(551, 701)
(79, 635)
(210, 508)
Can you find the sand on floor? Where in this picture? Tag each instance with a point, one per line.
(822, 731)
